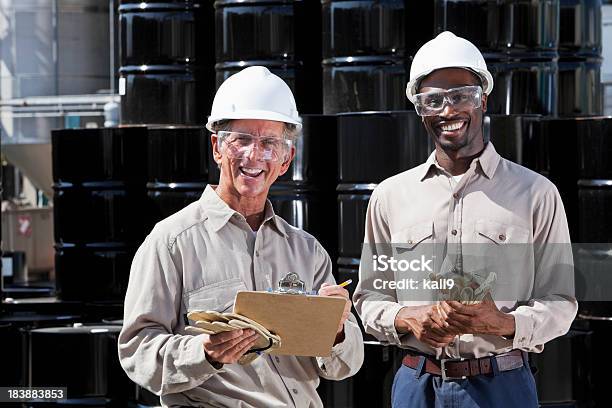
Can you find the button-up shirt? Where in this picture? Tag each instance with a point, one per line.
(198, 259)
(498, 205)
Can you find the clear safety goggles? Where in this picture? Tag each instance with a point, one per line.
(241, 145)
(463, 98)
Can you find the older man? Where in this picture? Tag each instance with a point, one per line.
(227, 241)
(495, 277)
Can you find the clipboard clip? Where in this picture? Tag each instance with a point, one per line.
(292, 284)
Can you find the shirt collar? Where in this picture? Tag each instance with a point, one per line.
(487, 161)
(219, 213)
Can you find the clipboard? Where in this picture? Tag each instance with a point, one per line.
(306, 324)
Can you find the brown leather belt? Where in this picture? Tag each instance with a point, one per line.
(454, 369)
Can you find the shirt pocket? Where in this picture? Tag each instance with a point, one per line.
(503, 249)
(501, 234)
(413, 237)
(218, 296)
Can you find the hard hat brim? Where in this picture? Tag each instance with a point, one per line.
(487, 87)
(253, 114)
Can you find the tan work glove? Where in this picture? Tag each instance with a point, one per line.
(212, 322)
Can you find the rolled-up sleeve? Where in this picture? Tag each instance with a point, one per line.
(377, 308)
(149, 352)
(347, 356)
(553, 307)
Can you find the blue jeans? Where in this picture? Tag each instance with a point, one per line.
(414, 388)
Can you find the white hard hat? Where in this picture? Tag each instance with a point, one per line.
(447, 51)
(254, 93)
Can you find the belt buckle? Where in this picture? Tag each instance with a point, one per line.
(443, 362)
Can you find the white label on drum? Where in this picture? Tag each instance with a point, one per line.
(122, 86)
(7, 266)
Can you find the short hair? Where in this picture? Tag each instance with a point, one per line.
(290, 131)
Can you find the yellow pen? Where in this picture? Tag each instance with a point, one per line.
(346, 283)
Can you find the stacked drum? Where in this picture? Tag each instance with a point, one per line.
(364, 54)
(281, 35)
(593, 256)
(16, 323)
(513, 137)
(372, 146)
(99, 209)
(519, 39)
(580, 89)
(84, 360)
(305, 195)
(177, 168)
(166, 61)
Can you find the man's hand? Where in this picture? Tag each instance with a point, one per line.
(228, 347)
(426, 323)
(328, 289)
(481, 318)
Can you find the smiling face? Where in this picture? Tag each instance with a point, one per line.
(456, 131)
(249, 177)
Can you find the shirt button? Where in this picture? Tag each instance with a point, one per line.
(502, 237)
(454, 232)
(277, 359)
(410, 241)
(452, 343)
(294, 391)
(256, 253)
(456, 196)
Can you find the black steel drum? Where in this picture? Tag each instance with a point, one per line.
(373, 146)
(356, 84)
(523, 86)
(513, 137)
(83, 359)
(178, 154)
(169, 198)
(594, 147)
(169, 94)
(93, 273)
(580, 90)
(165, 32)
(99, 212)
(366, 27)
(555, 156)
(247, 30)
(312, 210)
(14, 332)
(86, 155)
(517, 27)
(580, 28)
(167, 57)
(283, 35)
(315, 161)
(594, 209)
(594, 144)
(352, 206)
(564, 368)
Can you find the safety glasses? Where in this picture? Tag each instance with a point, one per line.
(463, 98)
(241, 145)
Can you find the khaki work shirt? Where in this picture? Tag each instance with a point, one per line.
(197, 259)
(496, 203)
